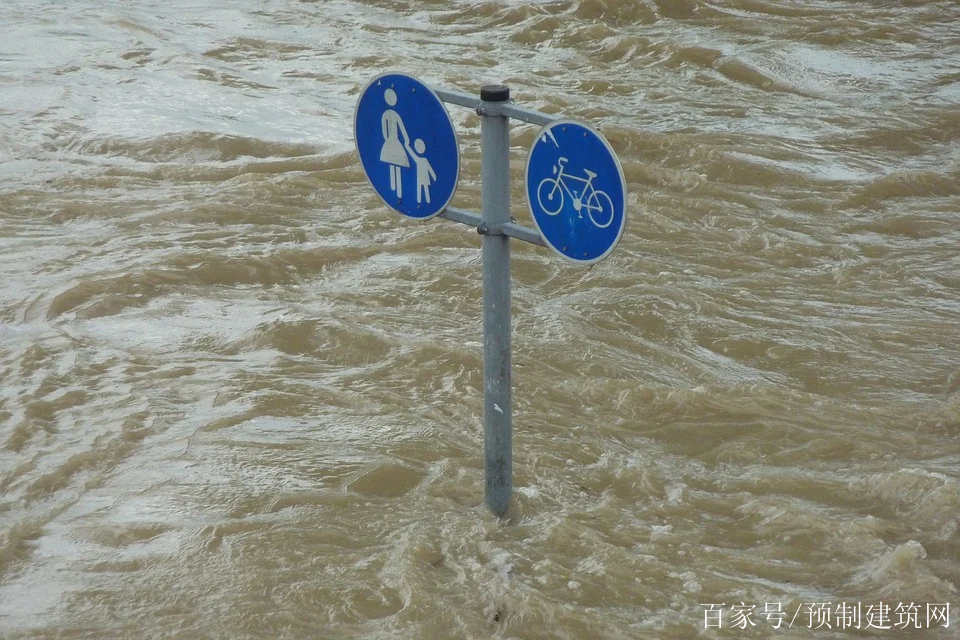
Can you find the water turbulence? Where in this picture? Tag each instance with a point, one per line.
(241, 398)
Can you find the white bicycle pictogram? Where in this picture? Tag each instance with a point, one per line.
(597, 203)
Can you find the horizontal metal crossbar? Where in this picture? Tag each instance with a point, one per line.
(507, 109)
(511, 229)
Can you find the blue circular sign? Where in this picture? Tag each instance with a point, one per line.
(407, 145)
(576, 191)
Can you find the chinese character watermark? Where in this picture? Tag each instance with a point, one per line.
(827, 615)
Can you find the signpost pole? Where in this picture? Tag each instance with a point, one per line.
(407, 145)
(495, 193)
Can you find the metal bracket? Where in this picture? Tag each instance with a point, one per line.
(507, 109)
(511, 229)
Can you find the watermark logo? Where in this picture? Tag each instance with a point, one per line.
(829, 616)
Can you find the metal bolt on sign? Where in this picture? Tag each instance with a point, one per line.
(576, 194)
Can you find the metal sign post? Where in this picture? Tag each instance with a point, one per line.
(497, 404)
(405, 137)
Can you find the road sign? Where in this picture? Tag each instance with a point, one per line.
(576, 191)
(407, 145)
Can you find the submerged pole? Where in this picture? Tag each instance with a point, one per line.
(421, 110)
(497, 404)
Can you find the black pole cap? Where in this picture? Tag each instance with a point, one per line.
(495, 93)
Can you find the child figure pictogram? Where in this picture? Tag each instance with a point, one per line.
(425, 173)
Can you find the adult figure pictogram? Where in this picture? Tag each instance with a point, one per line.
(393, 151)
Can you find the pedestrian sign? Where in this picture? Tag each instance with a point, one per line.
(407, 145)
(576, 191)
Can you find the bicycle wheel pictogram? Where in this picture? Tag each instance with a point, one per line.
(550, 196)
(600, 209)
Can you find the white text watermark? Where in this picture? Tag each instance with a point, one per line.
(829, 615)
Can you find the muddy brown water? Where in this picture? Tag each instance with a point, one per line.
(241, 399)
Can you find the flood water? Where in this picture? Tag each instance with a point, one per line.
(240, 398)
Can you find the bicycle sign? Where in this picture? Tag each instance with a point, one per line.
(576, 191)
(550, 196)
